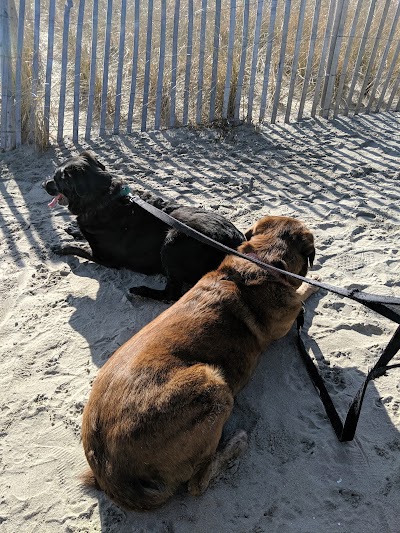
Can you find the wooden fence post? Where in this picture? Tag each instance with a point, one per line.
(310, 57)
(281, 64)
(267, 67)
(317, 92)
(333, 58)
(188, 68)
(161, 62)
(64, 64)
(245, 40)
(18, 74)
(231, 43)
(35, 72)
(360, 55)
(214, 73)
(254, 60)
(148, 65)
(378, 78)
(106, 63)
(199, 103)
(49, 68)
(117, 113)
(295, 62)
(93, 65)
(7, 118)
(346, 59)
(77, 70)
(371, 61)
(174, 64)
(135, 56)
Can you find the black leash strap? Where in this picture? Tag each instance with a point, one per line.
(375, 302)
(345, 432)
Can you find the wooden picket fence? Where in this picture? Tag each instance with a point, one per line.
(92, 67)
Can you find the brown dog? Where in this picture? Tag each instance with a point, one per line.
(155, 415)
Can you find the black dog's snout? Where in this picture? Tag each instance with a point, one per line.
(50, 187)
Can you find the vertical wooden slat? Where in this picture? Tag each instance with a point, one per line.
(295, 62)
(7, 133)
(267, 67)
(393, 93)
(398, 105)
(321, 68)
(199, 103)
(174, 64)
(120, 71)
(189, 51)
(77, 74)
(145, 102)
(214, 72)
(371, 61)
(346, 59)
(333, 58)
(281, 65)
(93, 65)
(378, 79)
(49, 68)
(135, 56)
(254, 60)
(231, 43)
(35, 70)
(104, 91)
(245, 40)
(360, 55)
(64, 66)
(310, 57)
(388, 77)
(18, 73)
(161, 62)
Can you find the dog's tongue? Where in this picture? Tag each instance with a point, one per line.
(54, 201)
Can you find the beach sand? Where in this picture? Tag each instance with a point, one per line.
(62, 318)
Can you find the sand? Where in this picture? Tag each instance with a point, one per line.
(62, 318)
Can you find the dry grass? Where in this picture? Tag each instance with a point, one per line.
(35, 130)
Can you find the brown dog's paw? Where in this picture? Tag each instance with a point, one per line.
(221, 460)
(306, 290)
(235, 447)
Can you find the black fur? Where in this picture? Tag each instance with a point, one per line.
(122, 234)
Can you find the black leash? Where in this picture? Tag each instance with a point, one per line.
(346, 431)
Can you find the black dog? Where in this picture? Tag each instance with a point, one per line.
(122, 234)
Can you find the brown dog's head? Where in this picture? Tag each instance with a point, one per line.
(285, 239)
(79, 182)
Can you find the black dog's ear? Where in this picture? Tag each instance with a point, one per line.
(91, 157)
(249, 233)
(81, 187)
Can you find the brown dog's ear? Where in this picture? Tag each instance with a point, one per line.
(311, 257)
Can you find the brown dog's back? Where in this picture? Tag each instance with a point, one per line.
(156, 412)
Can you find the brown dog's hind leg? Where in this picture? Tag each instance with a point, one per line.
(217, 464)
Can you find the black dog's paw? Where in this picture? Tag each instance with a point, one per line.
(75, 232)
(148, 292)
(58, 249)
(67, 249)
(141, 291)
